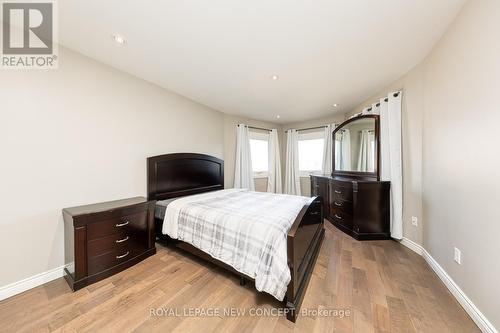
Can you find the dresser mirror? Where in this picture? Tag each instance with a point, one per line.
(358, 203)
(355, 148)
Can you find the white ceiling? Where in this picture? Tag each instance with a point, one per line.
(222, 53)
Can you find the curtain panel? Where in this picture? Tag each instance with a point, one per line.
(327, 150)
(243, 173)
(292, 176)
(391, 163)
(274, 173)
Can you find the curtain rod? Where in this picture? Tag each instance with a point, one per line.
(259, 128)
(310, 128)
(385, 100)
(343, 130)
(299, 130)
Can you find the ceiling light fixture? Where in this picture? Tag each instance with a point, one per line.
(335, 105)
(275, 77)
(278, 117)
(119, 39)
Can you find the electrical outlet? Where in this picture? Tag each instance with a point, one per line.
(458, 256)
(414, 221)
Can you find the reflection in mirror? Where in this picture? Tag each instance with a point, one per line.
(343, 150)
(366, 155)
(355, 146)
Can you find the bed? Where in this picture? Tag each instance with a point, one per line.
(200, 217)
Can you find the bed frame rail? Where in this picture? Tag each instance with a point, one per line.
(303, 244)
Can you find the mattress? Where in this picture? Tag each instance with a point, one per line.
(161, 208)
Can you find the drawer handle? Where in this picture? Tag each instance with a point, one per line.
(337, 204)
(122, 224)
(123, 255)
(338, 192)
(338, 217)
(122, 240)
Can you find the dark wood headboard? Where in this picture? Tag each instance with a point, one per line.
(176, 175)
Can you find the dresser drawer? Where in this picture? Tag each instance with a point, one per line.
(341, 206)
(341, 217)
(341, 191)
(110, 243)
(319, 187)
(115, 255)
(117, 226)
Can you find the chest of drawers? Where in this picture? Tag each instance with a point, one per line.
(359, 208)
(104, 239)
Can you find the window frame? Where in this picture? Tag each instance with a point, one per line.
(311, 135)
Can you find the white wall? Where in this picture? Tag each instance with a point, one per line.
(451, 152)
(461, 153)
(79, 135)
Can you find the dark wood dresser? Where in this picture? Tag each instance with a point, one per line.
(105, 238)
(360, 208)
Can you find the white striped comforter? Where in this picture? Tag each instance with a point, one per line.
(244, 229)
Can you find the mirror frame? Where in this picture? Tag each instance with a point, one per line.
(359, 174)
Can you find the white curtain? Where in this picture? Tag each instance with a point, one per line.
(391, 168)
(366, 160)
(343, 146)
(327, 150)
(243, 173)
(292, 176)
(274, 174)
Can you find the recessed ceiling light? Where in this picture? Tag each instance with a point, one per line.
(335, 105)
(278, 117)
(275, 77)
(119, 39)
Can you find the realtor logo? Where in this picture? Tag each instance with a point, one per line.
(28, 35)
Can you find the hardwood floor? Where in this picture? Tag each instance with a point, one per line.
(385, 286)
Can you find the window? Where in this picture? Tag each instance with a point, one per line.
(259, 147)
(310, 152)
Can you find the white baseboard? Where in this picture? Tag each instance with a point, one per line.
(417, 248)
(481, 321)
(31, 282)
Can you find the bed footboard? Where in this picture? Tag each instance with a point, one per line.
(303, 244)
